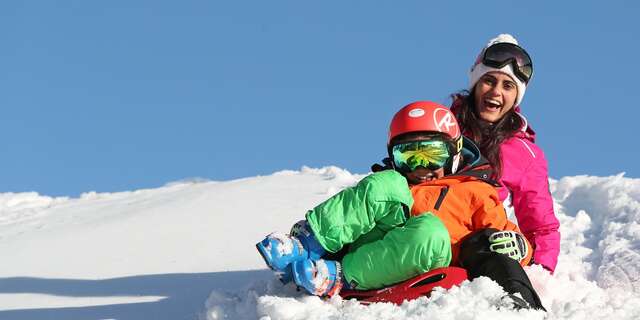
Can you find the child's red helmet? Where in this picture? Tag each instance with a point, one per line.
(424, 116)
(427, 116)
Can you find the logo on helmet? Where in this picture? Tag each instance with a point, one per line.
(445, 122)
(416, 113)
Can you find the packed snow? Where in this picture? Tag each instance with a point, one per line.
(187, 251)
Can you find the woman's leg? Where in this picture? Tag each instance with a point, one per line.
(476, 257)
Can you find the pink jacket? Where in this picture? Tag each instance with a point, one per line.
(526, 179)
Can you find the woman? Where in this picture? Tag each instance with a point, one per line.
(489, 114)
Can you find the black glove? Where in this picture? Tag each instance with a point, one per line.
(510, 243)
(475, 246)
(386, 165)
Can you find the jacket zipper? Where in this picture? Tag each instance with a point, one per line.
(443, 193)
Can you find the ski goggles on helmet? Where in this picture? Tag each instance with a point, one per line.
(431, 154)
(501, 54)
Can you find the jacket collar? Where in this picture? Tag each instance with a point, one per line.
(474, 165)
(525, 132)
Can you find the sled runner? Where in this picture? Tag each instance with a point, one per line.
(413, 288)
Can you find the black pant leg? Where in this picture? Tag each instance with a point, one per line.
(476, 257)
(509, 274)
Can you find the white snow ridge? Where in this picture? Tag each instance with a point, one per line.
(187, 251)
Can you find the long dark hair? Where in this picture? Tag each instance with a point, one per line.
(488, 136)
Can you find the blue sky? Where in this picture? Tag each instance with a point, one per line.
(122, 95)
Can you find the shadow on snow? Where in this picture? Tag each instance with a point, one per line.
(185, 294)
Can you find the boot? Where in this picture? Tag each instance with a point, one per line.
(318, 277)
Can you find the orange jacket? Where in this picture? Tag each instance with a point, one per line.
(465, 203)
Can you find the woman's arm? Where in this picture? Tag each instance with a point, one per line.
(533, 206)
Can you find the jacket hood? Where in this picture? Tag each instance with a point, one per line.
(525, 132)
(474, 165)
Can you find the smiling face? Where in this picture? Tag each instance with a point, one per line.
(495, 94)
(420, 174)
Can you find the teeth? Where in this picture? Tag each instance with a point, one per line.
(492, 102)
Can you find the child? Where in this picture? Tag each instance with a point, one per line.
(423, 214)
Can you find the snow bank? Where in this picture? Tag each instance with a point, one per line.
(483, 299)
(16, 207)
(187, 250)
(598, 275)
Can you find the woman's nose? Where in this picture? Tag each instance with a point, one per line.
(495, 90)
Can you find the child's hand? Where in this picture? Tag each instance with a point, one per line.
(509, 243)
(386, 165)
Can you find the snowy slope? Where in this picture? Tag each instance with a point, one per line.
(186, 251)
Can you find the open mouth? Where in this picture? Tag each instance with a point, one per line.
(427, 176)
(492, 105)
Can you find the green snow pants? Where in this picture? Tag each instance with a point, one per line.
(387, 245)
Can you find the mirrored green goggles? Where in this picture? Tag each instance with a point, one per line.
(430, 154)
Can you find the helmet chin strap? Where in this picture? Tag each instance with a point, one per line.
(455, 163)
(393, 166)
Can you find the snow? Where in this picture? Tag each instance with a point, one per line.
(187, 251)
